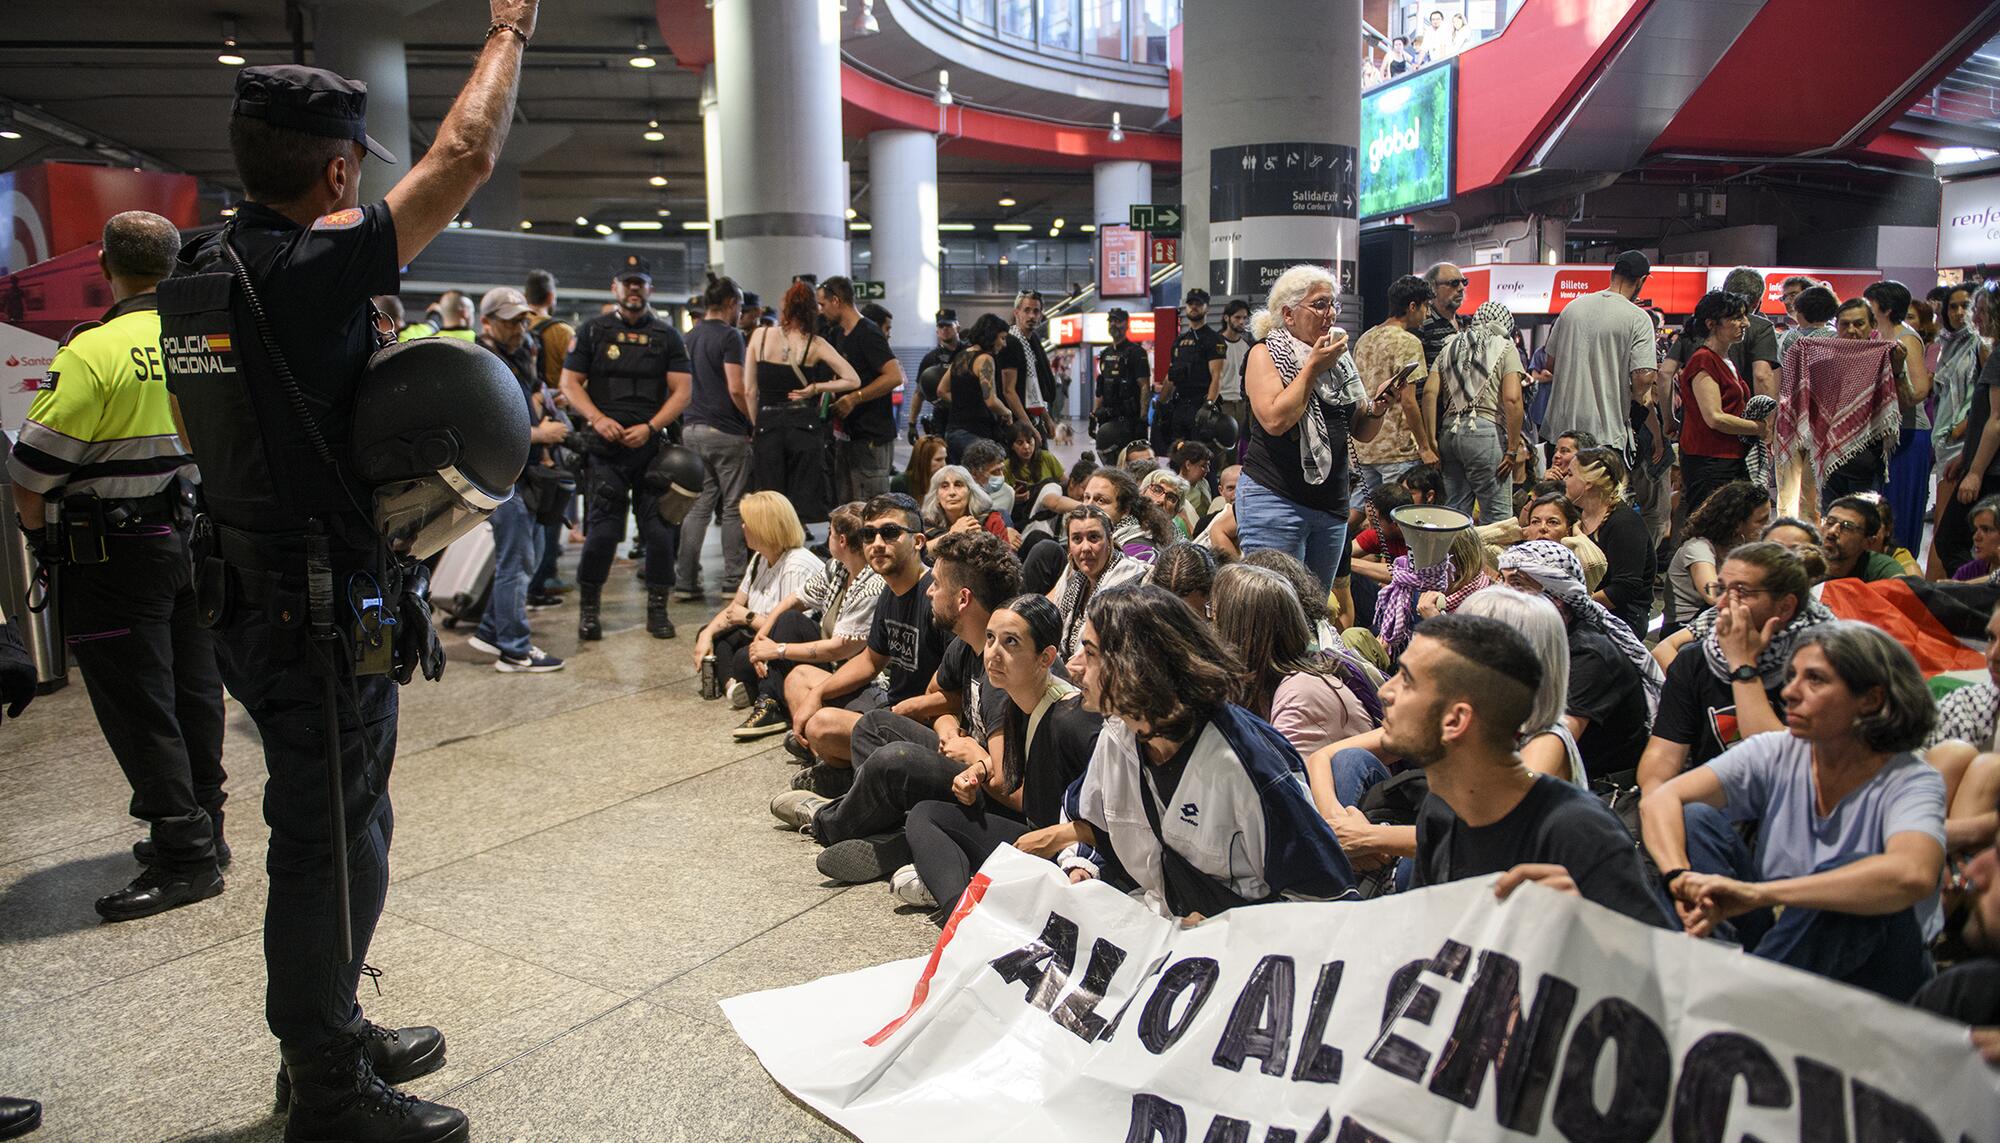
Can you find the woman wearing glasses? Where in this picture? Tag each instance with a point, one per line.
(1306, 400)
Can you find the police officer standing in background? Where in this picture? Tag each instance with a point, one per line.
(936, 392)
(1118, 416)
(101, 439)
(311, 255)
(628, 376)
(1194, 377)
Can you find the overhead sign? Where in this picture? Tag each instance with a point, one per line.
(1163, 218)
(1059, 1012)
(1095, 329)
(1406, 142)
(1273, 205)
(1121, 262)
(867, 291)
(1969, 223)
(1532, 288)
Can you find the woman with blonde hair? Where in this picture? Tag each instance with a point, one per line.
(780, 566)
(1596, 485)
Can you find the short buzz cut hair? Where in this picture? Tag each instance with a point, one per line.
(540, 289)
(140, 244)
(981, 563)
(840, 288)
(279, 164)
(1491, 665)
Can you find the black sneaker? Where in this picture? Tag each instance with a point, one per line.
(824, 780)
(765, 720)
(398, 1056)
(797, 748)
(144, 850)
(157, 890)
(336, 1096)
(860, 859)
(540, 602)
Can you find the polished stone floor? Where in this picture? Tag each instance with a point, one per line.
(583, 866)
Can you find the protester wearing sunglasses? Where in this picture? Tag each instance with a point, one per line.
(1447, 283)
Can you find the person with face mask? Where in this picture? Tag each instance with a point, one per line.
(987, 462)
(957, 503)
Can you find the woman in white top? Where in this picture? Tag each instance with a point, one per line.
(780, 566)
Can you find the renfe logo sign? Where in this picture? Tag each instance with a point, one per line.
(1969, 222)
(1406, 143)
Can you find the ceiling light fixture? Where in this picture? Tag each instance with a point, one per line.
(230, 55)
(527, 224)
(663, 212)
(7, 128)
(1088, 228)
(861, 226)
(1058, 224)
(944, 88)
(956, 226)
(852, 214)
(642, 58)
(653, 133)
(1006, 198)
(640, 224)
(582, 221)
(1054, 233)
(1117, 134)
(602, 229)
(657, 180)
(694, 226)
(1008, 227)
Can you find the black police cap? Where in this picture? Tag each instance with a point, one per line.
(635, 267)
(751, 299)
(308, 99)
(1197, 295)
(1116, 313)
(947, 317)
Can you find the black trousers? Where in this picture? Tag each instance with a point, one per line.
(788, 455)
(732, 655)
(948, 841)
(149, 667)
(278, 676)
(1173, 421)
(791, 627)
(1953, 538)
(1701, 475)
(617, 484)
(889, 783)
(1042, 567)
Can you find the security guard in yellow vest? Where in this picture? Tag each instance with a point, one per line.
(101, 440)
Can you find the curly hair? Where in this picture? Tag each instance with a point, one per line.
(799, 310)
(1133, 505)
(1162, 665)
(981, 563)
(1719, 518)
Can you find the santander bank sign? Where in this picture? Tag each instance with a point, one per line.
(1969, 222)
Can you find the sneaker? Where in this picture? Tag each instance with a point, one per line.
(824, 780)
(796, 808)
(483, 647)
(860, 859)
(909, 888)
(535, 662)
(797, 748)
(542, 602)
(691, 593)
(765, 720)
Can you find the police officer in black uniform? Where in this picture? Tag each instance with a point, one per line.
(1118, 415)
(933, 389)
(1194, 377)
(267, 332)
(628, 375)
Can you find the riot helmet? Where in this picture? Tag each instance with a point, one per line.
(1213, 425)
(441, 431)
(1114, 434)
(675, 475)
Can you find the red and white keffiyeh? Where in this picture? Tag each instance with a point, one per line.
(1836, 397)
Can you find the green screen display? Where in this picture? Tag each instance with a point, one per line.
(1406, 143)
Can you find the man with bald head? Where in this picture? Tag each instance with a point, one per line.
(101, 441)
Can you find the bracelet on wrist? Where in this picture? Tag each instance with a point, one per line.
(499, 26)
(1669, 877)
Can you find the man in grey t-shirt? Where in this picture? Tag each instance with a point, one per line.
(1604, 359)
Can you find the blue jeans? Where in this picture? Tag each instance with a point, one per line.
(1374, 476)
(1355, 772)
(516, 542)
(1265, 519)
(1883, 954)
(1470, 457)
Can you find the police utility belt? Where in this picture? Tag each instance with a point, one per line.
(237, 571)
(86, 519)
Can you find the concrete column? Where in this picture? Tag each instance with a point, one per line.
(1283, 115)
(711, 161)
(1115, 186)
(903, 207)
(777, 83)
(363, 39)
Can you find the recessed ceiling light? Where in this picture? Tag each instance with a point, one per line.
(231, 59)
(663, 212)
(1054, 233)
(602, 229)
(1006, 198)
(861, 226)
(640, 224)
(1058, 224)
(1009, 227)
(657, 180)
(852, 214)
(694, 226)
(9, 133)
(956, 226)
(582, 221)
(527, 224)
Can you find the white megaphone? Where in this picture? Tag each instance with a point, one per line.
(1429, 529)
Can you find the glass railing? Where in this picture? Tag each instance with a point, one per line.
(1130, 31)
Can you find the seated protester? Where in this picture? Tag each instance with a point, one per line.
(1218, 533)
(927, 455)
(1172, 739)
(1188, 570)
(1095, 563)
(823, 623)
(987, 462)
(1462, 693)
(1962, 748)
(910, 755)
(1792, 532)
(1377, 548)
(1842, 879)
(1138, 452)
(1549, 516)
(1849, 527)
(1226, 498)
(1426, 484)
(903, 640)
(1138, 526)
(1969, 991)
(1312, 598)
(1038, 746)
(1614, 685)
(1726, 684)
(1884, 541)
(1169, 492)
(1985, 563)
(1191, 461)
(1044, 514)
(956, 503)
(1414, 594)
(1734, 513)
(1030, 467)
(1567, 446)
(1596, 485)
(779, 567)
(1312, 698)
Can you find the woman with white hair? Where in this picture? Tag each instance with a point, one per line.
(1479, 414)
(957, 503)
(1546, 743)
(1306, 401)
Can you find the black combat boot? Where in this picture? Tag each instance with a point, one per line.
(398, 1056)
(336, 1095)
(657, 623)
(588, 627)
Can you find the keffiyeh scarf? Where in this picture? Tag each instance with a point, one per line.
(1339, 385)
(1467, 362)
(1396, 605)
(1556, 568)
(1031, 381)
(1837, 397)
(1775, 659)
(1077, 589)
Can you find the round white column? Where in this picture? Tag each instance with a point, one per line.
(711, 160)
(903, 211)
(363, 39)
(1115, 186)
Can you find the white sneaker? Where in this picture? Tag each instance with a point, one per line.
(739, 696)
(909, 888)
(482, 646)
(796, 807)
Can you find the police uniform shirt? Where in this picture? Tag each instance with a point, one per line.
(1194, 349)
(1121, 378)
(941, 355)
(102, 422)
(608, 346)
(868, 351)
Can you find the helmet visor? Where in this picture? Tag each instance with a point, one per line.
(419, 517)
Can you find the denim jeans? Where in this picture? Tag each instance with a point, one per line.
(1883, 954)
(725, 460)
(1355, 772)
(1374, 476)
(1265, 519)
(1470, 458)
(517, 542)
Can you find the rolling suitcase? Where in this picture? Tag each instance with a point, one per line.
(464, 576)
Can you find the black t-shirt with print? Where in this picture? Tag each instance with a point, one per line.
(905, 631)
(1698, 710)
(964, 669)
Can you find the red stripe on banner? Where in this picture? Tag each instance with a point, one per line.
(966, 900)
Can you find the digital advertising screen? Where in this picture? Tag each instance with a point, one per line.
(1406, 140)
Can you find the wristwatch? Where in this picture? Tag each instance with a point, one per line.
(1743, 674)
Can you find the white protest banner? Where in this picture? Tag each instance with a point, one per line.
(1054, 1012)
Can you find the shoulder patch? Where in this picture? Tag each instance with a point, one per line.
(48, 382)
(340, 219)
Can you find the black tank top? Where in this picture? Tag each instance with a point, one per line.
(969, 413)
(776, 379)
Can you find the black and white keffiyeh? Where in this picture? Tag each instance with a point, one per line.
(1339, 385)
(1031, 381)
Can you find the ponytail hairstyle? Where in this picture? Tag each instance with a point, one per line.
(721, 292)
(1715, 307)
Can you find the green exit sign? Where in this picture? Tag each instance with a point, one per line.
(1161, 218)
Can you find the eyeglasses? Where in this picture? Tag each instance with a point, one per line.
(1323, 305)
(1837, 524)
(887, 533)
(1740, 591)
(1455, 282)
